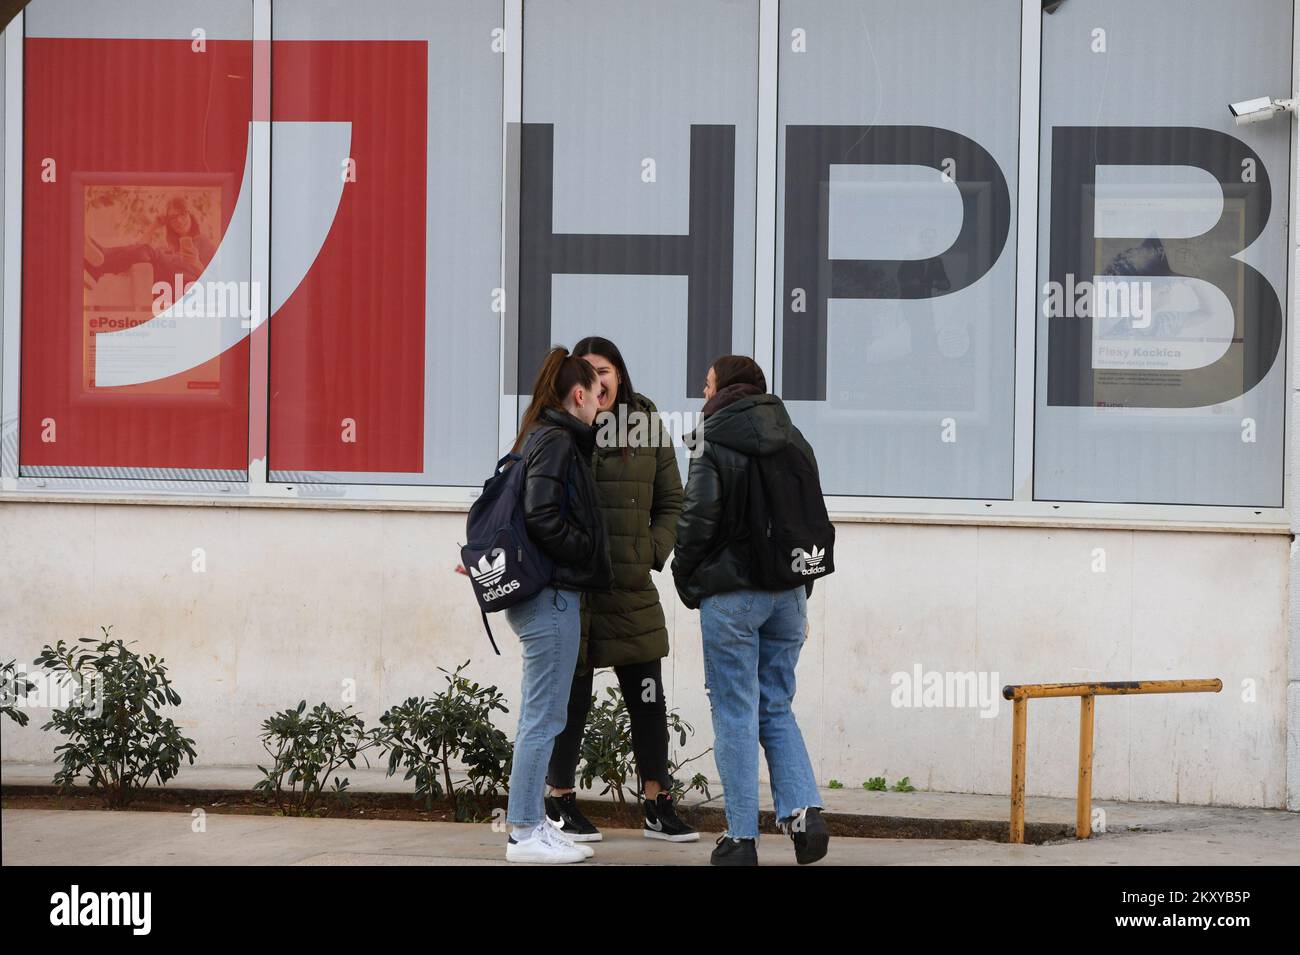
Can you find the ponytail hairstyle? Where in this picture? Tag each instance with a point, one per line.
(738, 370)
(559, 374)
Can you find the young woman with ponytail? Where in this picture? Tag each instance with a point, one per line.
(562, 515)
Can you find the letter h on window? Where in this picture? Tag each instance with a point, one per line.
(704, 255)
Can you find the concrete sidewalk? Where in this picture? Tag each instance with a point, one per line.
(95, 837)
(1137, 833)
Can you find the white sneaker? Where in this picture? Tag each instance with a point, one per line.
(542, 849)
(558, 833)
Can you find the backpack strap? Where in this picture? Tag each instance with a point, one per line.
(488, 628)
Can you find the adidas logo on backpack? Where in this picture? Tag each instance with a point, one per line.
(785, 507)
(808, 562)
(489, 574)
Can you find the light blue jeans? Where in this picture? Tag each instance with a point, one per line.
(549, 629)
(752, 640)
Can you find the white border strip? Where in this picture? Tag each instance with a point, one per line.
(1022, 442)
(512, 112)
(11, 331)
(767, 189)
(1290, 339)
(259, 351)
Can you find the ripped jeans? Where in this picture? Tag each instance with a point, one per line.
(752, 640)
(549, 628)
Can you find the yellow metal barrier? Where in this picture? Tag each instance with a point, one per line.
(1087, 692)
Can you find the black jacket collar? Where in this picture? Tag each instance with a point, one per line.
(584, 435)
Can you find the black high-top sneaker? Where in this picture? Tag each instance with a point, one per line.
(564, 814)
(661, 821)
(731, 851)
(807, 830)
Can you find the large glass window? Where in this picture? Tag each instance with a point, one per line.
(386, 241)
(456, 185)
(1162, 254)
(135, 168)
(637, 186)
(895, 298)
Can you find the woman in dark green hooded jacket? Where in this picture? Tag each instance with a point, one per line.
(640, 491)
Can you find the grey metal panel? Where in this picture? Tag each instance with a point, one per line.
(140, 19)
(96, 475)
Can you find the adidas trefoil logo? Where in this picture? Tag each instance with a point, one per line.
(808, 562)
(488, 574)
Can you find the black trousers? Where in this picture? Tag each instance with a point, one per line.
(643, 693)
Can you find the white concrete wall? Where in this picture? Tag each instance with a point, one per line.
(295, 601)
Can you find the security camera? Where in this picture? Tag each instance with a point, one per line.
(1259, 109)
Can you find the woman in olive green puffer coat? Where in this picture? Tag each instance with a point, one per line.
(640, 490)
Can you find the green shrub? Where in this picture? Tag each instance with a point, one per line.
(426, 735)
(307, 749)
(13, 685)
(115, 733)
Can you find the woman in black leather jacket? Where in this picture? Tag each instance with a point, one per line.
(751, 637)
(561, 513)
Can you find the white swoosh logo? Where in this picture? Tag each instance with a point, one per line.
(304, 202)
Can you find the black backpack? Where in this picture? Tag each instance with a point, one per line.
(504, 564)
(791, 537)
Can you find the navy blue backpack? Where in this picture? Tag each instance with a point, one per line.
(504, 564)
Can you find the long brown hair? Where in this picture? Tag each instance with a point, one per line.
(559, 373)
(606, 349)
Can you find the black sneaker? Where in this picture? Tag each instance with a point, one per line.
(564, 814)
(731, 851)
(807, 830)
(661, 821)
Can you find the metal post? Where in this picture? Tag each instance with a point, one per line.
(1083, 805)
(1018, 727)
